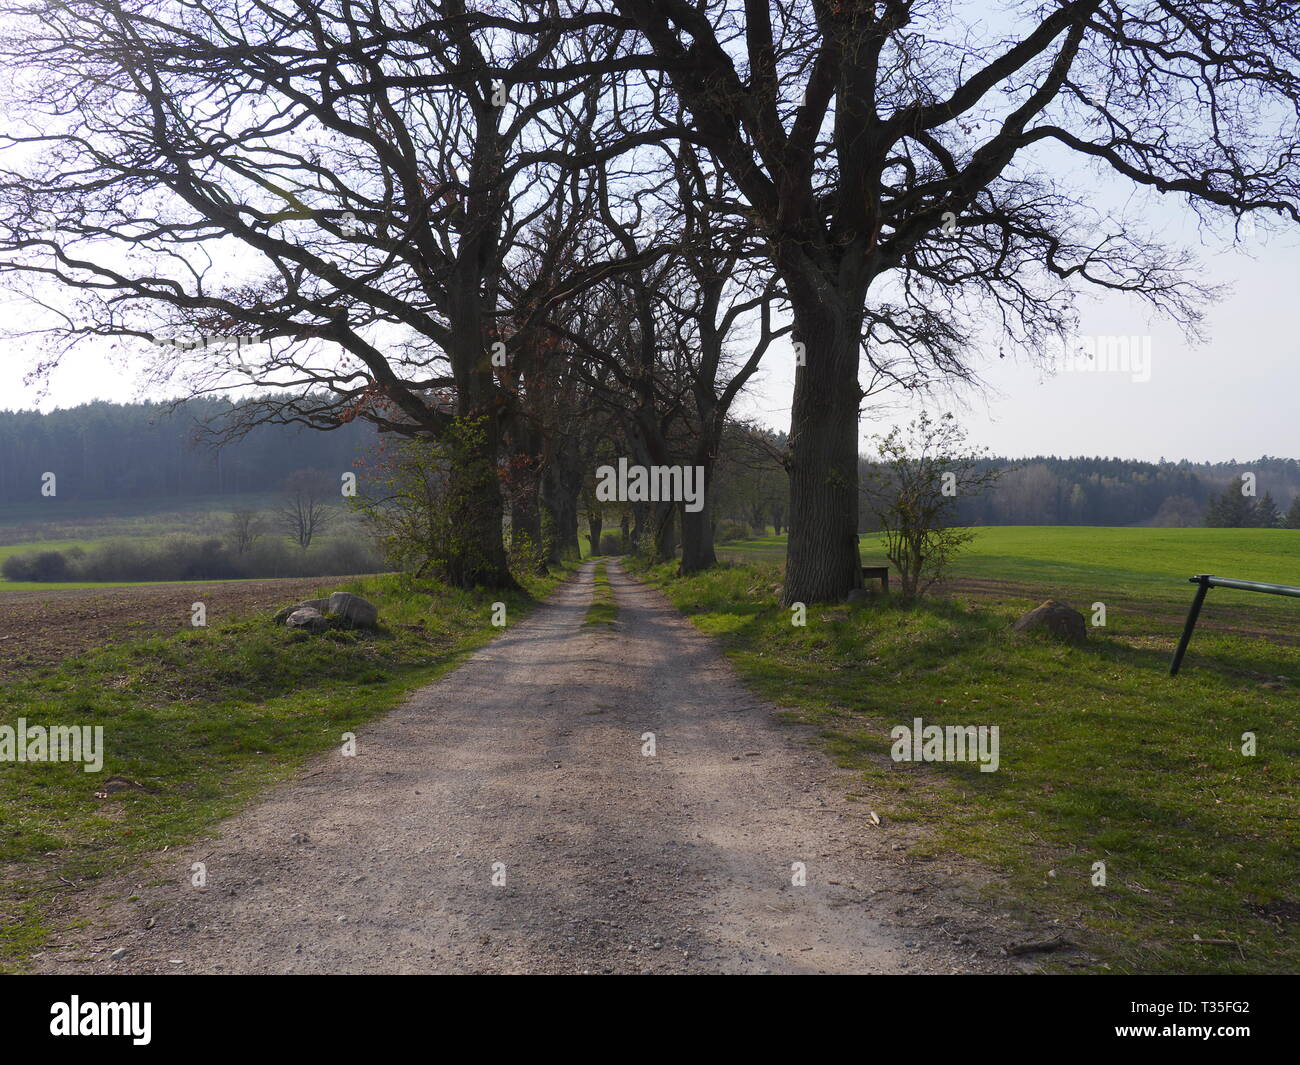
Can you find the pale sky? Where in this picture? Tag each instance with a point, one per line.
(1236, 396)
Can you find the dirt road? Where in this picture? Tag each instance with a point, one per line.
(506, 820)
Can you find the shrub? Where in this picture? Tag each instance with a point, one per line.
(191, 558)
(187, 558)
(913, 488)
(41, 566)
(611, 544)
(117, 560)
(50, 566)
(729, 530)
(270, 558)
(524, 556)
(339, 558)
(18, 568)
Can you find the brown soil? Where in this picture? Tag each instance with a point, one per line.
(44, 627)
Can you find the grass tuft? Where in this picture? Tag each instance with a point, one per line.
(603, 612)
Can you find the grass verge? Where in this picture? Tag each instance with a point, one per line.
(206, 720)
(603, 612)
(1104, 758)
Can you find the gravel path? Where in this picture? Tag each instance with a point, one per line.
(530, 756)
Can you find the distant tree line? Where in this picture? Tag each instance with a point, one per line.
(187, 558)
(1039, 490)
(1045, 490)
(107, 450)
(124, 451)
(1234, 509)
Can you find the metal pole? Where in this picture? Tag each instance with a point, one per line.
(1203, 586)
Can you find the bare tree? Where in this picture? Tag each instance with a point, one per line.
(870, 140)
(246, 528)
(374, 165)
(306, 509)
(905, 178)
(722, 294)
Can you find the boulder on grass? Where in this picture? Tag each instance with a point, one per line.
(357, 612)
(342, 609)
(321, 606)
(1059, 620)
(308, 619)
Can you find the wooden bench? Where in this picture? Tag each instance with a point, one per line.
(1204, 582)
(877, 573)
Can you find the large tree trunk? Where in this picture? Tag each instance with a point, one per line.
(656, 527)
(525, 509)
(638, 527)
(526, 529)
(665, 530)
(697, 527)
(594, 525)
(566, 526)
(822, 562)
(476, 551)
(697, 542)
(625, 536)
(561, 486)
(477, 546)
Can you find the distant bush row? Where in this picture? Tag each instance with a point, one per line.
(185, 558)
(728, 531)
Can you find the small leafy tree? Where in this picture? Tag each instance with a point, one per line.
(419, 500)
(912, 489)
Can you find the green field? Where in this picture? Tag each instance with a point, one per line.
(1139, 574)
(48, 520)
(1104, 757)
(1090, 557)
(56, 525)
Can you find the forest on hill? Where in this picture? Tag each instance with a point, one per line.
(132, 451)
(129, 451)
(1046, 490)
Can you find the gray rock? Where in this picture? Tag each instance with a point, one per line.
(857, 595)
(358, 612)
(321, 606)
(1059, 620)
(308, 618)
